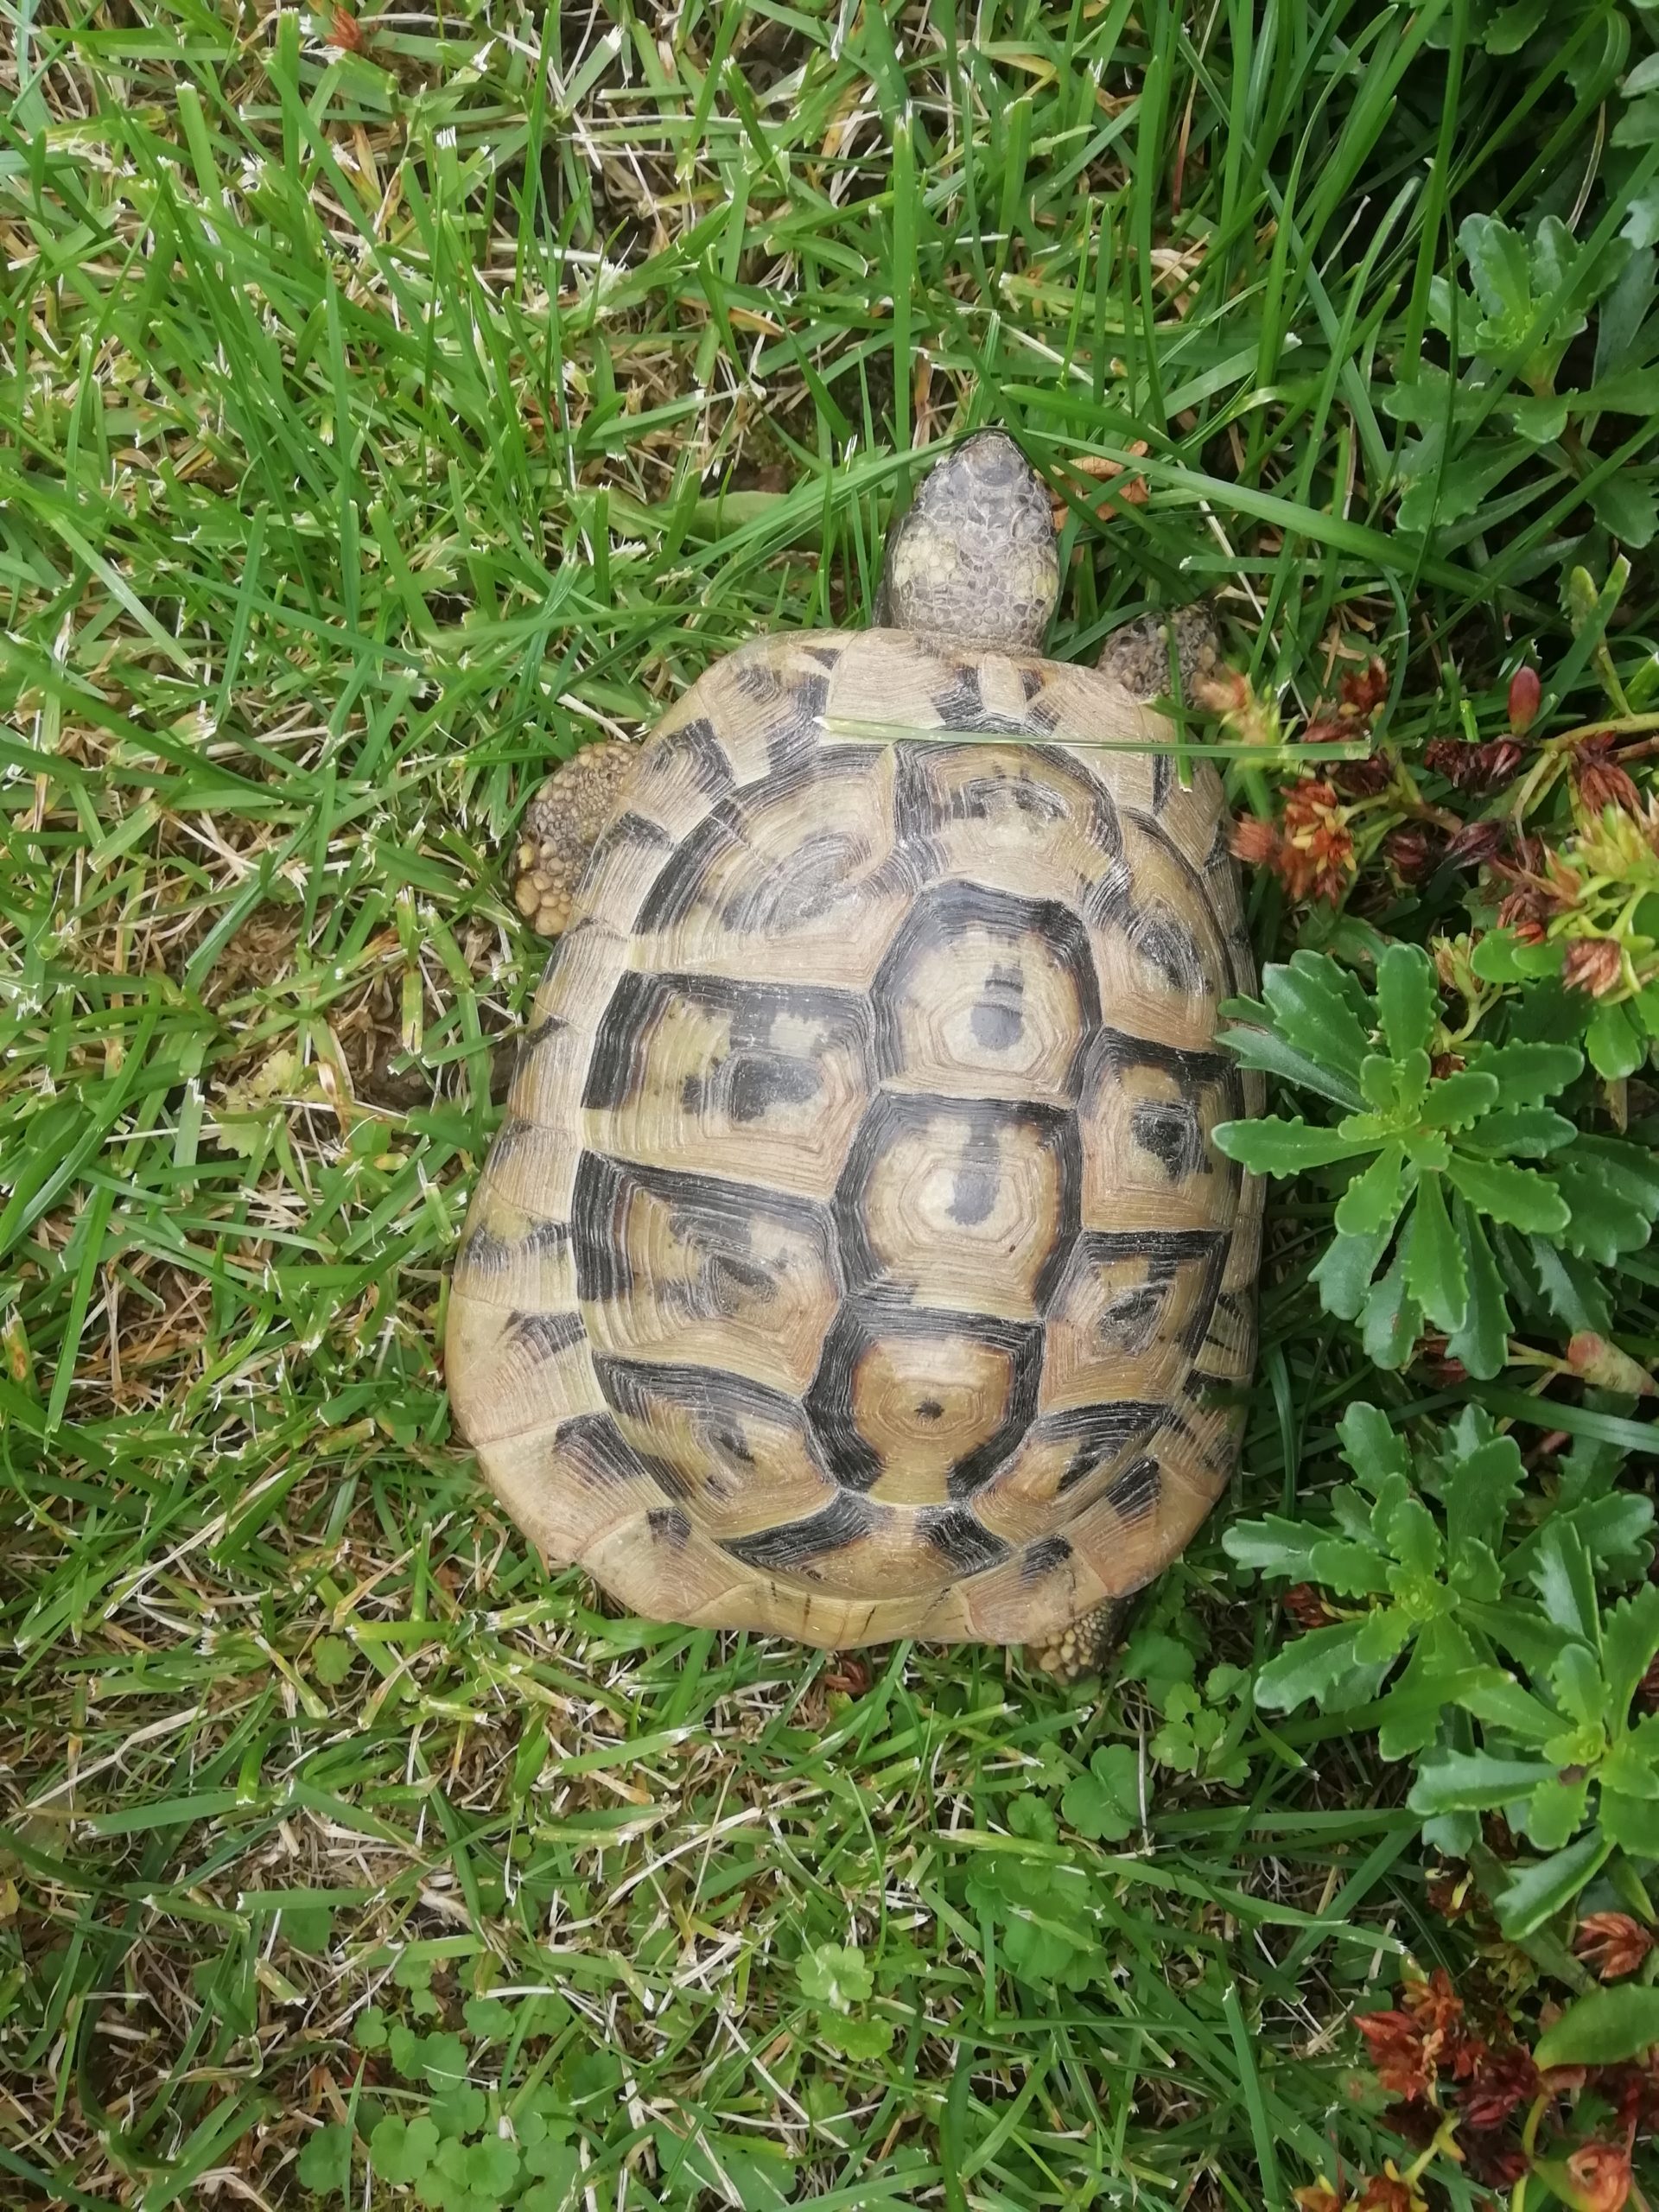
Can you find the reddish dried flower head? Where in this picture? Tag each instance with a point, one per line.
(1309, 801)
(1363, 779)
(1363, 693)
(1499, 2084)
(1438, 2008)
(1525, 691)
(1600, 2174)
(1630, 2090)
(1254, 840)
(1495, 2164)
(1384, 2193)
(346, 32)
(1522, 912)
(1319, 2196)
(1390, 2192)
(1306, 1607)
(1500, 763)
(1223, 691)
(1611, 1942)
(1474, 844)
(1604, 784)
(1394, 2042)
(1324, 730)
(1475, 768)
(1597, 778)
(1409, 851)
(1451, 758)
(1317, 861)
(1592, 964)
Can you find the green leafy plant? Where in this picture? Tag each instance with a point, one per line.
(1447, 1156)
(1043, 1908)
(1510, 1678)
(1502, 407)
(1204, 1728)
(1103, 1803)
(837, 1978)
(464, 2149)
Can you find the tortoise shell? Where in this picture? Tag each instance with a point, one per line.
(853, 1261)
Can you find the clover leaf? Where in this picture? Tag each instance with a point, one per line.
(403, 2150)
(325, 2163)
(1045, 1916)
(836, 1975)
(1104, 1803)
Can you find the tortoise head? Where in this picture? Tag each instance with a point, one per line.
(973, 554)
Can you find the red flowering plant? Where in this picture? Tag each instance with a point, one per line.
(1561, 2115)
(1337, 811)
(1560, 831)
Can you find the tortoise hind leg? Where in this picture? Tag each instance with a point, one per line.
(560, 828)
(1086, 1644)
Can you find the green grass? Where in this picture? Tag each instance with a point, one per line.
(381, 425)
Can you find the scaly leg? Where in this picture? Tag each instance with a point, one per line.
(1085, 1647)
(561, 826)
(1137, 656)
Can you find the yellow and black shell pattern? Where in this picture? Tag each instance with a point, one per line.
(853, 1261)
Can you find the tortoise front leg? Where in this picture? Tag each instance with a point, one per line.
(560, 828)
(1138, 655)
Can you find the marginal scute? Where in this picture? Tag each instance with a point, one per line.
(854, 1259)
(532, 1166)
(515, 1372)
(798, 878)
(517, 1261)
(569, 1487)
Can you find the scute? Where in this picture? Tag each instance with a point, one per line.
(685, 1267)
(984, 994)
(918, 1405)
(962, 1208)
(854, 1260)
(764, 1082)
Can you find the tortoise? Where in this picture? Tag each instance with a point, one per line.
(852, 1262)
